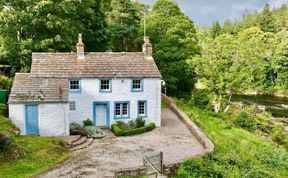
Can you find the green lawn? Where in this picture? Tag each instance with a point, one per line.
(36, 153)
(238, 153)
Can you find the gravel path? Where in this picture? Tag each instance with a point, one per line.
(102, 160)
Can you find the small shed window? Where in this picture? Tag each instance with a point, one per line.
(137, 85)
(72, 105)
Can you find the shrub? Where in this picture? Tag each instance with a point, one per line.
(3, 109)
(87, 122)
(200, 98)
(77, 129)
(140, 122)
(120, 132)
(5, 141)
(151, 126)
(94, 132)
(245, 121)
(5, 82)
(130, 125)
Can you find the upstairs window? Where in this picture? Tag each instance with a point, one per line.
(122, 110)
(105, 85)
(137, 85)
(74, 85)
(142, 108)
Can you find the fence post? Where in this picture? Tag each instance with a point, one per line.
(161, 161)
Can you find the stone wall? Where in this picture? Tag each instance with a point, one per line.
(131, 172)
(194, 129)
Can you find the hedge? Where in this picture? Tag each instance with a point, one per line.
(119, 132)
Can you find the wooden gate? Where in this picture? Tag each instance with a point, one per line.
(154, 163)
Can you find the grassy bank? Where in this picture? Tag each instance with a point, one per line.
(28, 155)
(238, 152)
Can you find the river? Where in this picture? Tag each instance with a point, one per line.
(276, 105)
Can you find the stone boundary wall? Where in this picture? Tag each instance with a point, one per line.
(194, 129)
(131, 172)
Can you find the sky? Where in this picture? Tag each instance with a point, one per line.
(205, 12)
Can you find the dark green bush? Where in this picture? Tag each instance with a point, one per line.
(151, 126)
(200, 98)
(87, 123)
(246, 121)
(3, 109)
(140, 122)
(77, 129)
(120, 132)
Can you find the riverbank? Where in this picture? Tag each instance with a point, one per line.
(257, 156)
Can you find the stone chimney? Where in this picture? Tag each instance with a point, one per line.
(147, 47)
(80, 48)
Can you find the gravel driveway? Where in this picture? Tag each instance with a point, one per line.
(102, 160)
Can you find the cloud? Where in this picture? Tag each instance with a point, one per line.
(204, 12)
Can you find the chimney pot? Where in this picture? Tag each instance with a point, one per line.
(80, 48)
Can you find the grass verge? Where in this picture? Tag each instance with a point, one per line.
(36, 154)
(238, 153)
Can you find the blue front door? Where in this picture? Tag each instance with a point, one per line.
(32, 122)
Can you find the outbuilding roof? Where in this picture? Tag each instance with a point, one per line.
(30, 89)
(95, 65)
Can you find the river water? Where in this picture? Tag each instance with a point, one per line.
(276, 105)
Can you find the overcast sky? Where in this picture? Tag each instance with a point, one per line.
(204, 12)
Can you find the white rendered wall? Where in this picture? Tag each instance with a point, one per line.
(17, 115)
(53, 118)
(121, 91)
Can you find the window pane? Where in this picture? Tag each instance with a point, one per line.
(72, 106)
(74, 84)
(117, 109)
(125, 109)
(105, 85)
(136, 84)
(141, 108)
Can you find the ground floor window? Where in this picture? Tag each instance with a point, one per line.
(122, 110)
(142, 108)
(72, 105)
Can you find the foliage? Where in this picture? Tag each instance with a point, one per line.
(140, 122)
(164, 105)
(3, 109)
(124, 21)
(174, 38)
(77, 129)
(245, 121)
(201, 98)
(118, 131)
(5, 83)
(94, 132)
(88, 122)
(48, 26)
(5, 141)
(255, 157)
(28, 155)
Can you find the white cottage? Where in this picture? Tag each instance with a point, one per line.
(71, 87)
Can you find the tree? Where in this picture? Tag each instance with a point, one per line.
(174, 38)
(43, 26)
(124, 22)
(266, 20)
(281, 66)
(215, 29)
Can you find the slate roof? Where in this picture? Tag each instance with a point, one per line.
(30, 89)
(99, 65)
(48, 79)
